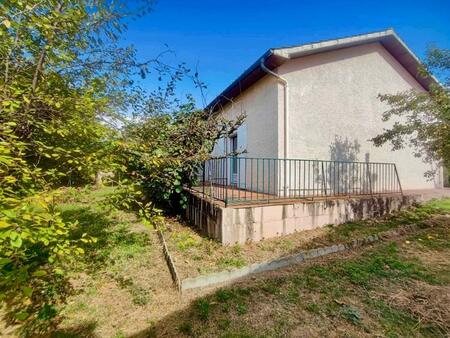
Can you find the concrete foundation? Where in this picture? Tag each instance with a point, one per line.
(250, 223)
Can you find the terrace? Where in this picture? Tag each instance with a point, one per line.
(242, 199)
(239, 180)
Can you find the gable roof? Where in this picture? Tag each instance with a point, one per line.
(275, 57)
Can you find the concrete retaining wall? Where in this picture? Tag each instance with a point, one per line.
(241, 224)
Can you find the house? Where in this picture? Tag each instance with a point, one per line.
(303, 157)
(299, 101)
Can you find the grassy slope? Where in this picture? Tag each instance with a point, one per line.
(194, 254)
(121, 283)
(124, 289)
(391, 289)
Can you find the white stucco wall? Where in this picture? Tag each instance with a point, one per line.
(336, 94)
(260, 104)
(257, 136)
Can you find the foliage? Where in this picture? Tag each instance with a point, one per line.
(35, 246)
(34, 240)
(62, 72)
(164, 152)
(63, 77)
(422, 120)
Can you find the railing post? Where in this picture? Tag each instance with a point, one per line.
(226, 181)
(324, 180)
(370, 178)
(398, 179)
(203, 179)
(285, 174)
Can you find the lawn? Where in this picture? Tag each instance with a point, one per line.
(194, 254)
(395, 289)
(122, 286)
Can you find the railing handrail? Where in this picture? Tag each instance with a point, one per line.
(234, 179)
(294, 159)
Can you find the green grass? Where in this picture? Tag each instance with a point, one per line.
(323, 290)
(359, 229)
(439, 205)
(89, 211)
(122, 246)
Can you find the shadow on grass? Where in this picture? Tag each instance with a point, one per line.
(85, 330)
(336, 278)
(109, 232)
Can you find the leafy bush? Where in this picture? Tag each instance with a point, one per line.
(164, 153)
(35, 243)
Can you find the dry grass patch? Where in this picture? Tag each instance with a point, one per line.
(195, 254)
(428, 303)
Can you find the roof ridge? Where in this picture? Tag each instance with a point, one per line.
(275, 57)
(390, 29)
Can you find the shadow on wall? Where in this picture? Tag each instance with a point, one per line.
(344, 149)
(342, 175)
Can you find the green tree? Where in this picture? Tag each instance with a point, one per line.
(422, 120)
(63, 77)
(62, 74)
(162, 153)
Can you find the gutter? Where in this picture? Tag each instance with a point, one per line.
(286, 115)
(285, 104)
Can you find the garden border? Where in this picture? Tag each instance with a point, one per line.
(169, 260)
(234, 274)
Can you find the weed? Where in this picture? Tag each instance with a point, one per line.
(119, 334)
(140, 296)
(224, 295)
(186, 328)
(236, 249)
(313, 308)
(184, 240)
(292, 295)
(227, 262)
(287, 245)
(203, 308)
(223, 323)
(273, 285)
(241, 309)
(352, 314)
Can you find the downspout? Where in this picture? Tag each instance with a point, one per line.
(286, 117)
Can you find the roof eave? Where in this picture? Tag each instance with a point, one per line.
(246, 79)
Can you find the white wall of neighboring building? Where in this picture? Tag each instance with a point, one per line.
(333, 94)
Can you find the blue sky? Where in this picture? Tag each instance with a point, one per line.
(222, 38)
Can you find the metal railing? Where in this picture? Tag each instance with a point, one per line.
(245, 180)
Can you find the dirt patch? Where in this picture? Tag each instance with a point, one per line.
(428, 303)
